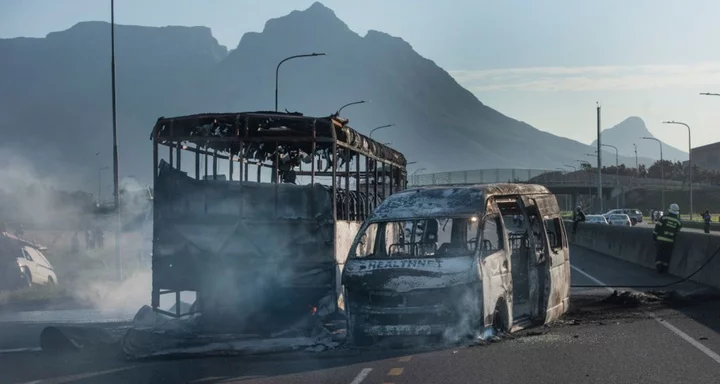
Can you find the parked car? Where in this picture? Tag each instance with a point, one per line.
(596, 219)
(620, 219)
(22, 264)
(634, 214)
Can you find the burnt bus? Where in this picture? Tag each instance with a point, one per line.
(255, 212)
(458, 261)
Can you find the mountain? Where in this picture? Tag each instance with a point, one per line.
(56, 102)
(629, 132)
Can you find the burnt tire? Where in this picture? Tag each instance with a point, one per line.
(500, 317)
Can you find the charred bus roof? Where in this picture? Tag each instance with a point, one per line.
(225, 132)
(447, 200)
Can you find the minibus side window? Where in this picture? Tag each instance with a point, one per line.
(492, 239)
(554, 232)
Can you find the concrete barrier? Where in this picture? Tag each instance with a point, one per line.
(636, 245)
(714, 226)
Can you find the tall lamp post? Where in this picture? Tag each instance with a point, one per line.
(100, 183)
(349, 104)
(617, 174)
(637, 167)
(116, 171)
(690, 171)
(380, 127)
(277, 71)
(662, 168)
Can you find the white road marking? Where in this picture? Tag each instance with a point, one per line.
(361, 376)
(662, 322)
(79, 376)
(18, 350)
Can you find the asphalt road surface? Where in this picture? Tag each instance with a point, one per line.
(622, 341)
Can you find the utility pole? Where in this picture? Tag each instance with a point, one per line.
(116, 172)
(599, 161)
(637, 167)
(277, 71)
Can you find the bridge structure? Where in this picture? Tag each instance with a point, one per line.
(571, 186)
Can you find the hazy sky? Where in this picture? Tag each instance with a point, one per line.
(545, 62)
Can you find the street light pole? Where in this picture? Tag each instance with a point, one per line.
(277, 71)
(662, 168)
(637, 167)
(599, 161)
(571, 166)
(690, 171)
(617, 175)
(349, 104)
(380, 127)
(116, 171)
(100, 183)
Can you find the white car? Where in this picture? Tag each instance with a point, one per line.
(23, 264)
(620, 219)
(596, 219)
(634, 214)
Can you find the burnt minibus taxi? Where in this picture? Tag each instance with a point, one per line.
(458, 261)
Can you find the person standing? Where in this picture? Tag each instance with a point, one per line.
(664, 234)
(706, 219)
(579, 216)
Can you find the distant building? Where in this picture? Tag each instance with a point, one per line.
(706, 157)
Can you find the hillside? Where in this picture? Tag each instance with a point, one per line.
(630, 130)
(59, 93)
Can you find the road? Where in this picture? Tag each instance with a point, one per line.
(597, 343)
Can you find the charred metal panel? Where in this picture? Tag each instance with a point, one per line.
(449, 200)
(345, 232)
(430, 202)
(242, 251)
(404, 275)
(496, 285)
(219, 131)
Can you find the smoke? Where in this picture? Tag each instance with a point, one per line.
(126, 296)
(469, 321)
(51, 211)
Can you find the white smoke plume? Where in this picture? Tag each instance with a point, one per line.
(53, 212)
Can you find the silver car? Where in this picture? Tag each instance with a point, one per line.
(596, 219)
(634, 214)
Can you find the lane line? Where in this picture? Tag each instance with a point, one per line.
(707, 351)
(20, 350)
(405, 359)
(361, 376)
(79, 376)
(396, 371)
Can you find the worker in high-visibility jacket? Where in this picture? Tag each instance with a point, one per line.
(664, 235)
